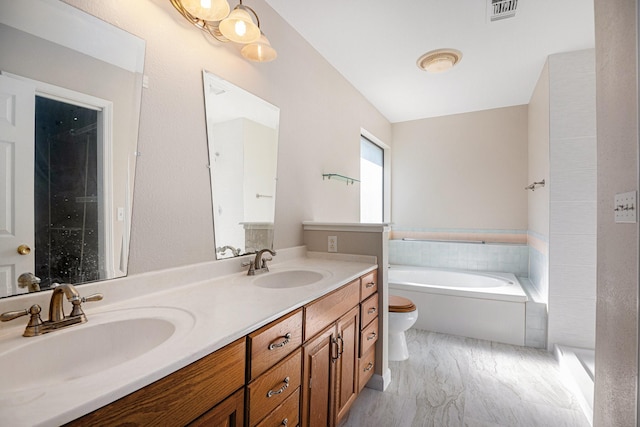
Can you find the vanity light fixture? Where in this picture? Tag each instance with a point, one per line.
(439, 60)
(238, 26)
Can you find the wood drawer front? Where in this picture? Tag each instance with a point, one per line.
(321, 313)
(368, 310)
(366, 366)
(287, 414)
(271, 343)
(179, 398)
(368, 337)
(229, 413)
(368, 284)
(270, 390)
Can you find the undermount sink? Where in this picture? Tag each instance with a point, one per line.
(107, 340)
(289, 279)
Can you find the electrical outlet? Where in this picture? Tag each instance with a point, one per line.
(332, 244)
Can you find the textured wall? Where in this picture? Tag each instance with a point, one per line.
(320, 122)
(617, 267)
(461, 171)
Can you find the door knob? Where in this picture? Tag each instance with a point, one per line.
(24, 250)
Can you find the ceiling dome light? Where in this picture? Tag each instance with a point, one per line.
(259, 51)
(239, 27)
(440, 60)
(207, 10)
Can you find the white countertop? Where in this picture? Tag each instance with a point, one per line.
(218, 311)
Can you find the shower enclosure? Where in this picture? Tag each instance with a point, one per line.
(66, 194)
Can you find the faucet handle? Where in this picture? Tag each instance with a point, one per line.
(10, 315)
(92, 297)
(33, 327)
(77, 308)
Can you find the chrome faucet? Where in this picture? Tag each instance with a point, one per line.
(57, 319)
(259, 264)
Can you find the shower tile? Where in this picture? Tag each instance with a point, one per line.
(573, 185)
(572, 217)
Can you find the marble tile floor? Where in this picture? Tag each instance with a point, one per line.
(453, 381)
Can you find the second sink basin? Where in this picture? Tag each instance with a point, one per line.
(289, 279)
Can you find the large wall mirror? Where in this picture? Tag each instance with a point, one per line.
(242, 133)
(70, 90)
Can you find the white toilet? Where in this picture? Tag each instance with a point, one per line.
(402, 315)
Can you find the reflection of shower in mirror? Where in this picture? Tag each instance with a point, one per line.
(242, 133)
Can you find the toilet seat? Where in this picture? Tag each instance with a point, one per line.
(399, 304)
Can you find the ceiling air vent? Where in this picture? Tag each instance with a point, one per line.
(501, 9)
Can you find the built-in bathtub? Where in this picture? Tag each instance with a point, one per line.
(489, 306)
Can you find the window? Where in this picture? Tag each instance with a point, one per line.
(371, 182)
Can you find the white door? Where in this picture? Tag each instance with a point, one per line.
(17, 124)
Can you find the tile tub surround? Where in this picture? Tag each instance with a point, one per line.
(506, 257)
(451, 381)
(220, 296)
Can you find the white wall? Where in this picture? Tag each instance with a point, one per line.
(320, 122)
(572, 199)
(465, 171)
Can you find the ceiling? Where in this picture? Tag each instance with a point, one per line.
(375, 44)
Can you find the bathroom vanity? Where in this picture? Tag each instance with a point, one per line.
(254, 353)
(318, 346)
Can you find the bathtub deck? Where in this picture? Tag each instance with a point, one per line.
(451, 381)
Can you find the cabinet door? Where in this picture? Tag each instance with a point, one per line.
(319, 355)
(347, 363)
(229, 413)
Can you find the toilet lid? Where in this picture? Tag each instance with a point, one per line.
(399, 304)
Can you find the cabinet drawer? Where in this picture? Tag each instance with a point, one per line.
(366, 366)
(368, 284)
(321, 313)
(368, 310)
(229, 413)
(287, 414)
(368, 337)
(272, 388)
(271, 343)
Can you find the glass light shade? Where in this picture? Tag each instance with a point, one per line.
(207, 10)
(440, 65)
(239, 27)
(259, 51)
(440, 60)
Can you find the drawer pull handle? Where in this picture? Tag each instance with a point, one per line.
(370, 285)
(280, 390)
(372, 336)
(368, 368)
(285, 422)
(286, 337)
(371, 310)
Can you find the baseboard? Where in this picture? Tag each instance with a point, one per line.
(380, 382)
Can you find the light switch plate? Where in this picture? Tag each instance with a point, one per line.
(625, 208)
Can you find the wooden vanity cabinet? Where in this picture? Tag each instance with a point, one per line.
(274, 366)
(369, 327)
(184, 396)
(330, 356)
